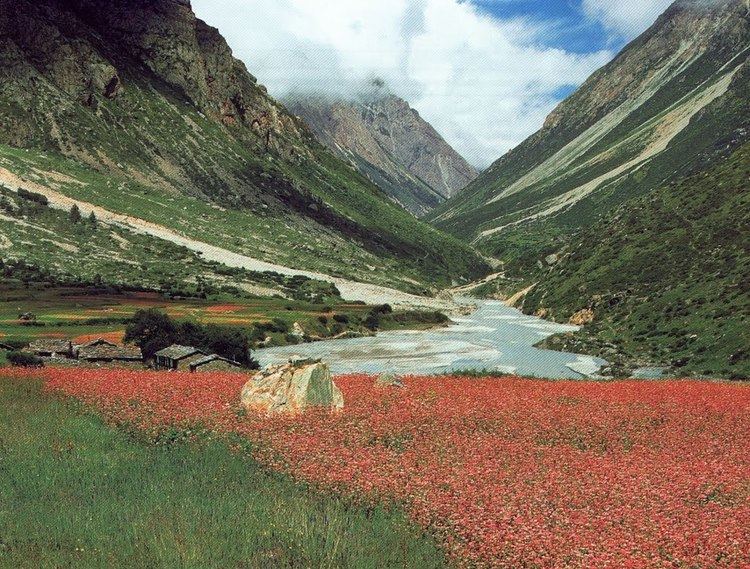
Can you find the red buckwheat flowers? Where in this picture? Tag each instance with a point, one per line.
(506, 472)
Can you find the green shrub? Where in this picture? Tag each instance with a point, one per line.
(33, 197)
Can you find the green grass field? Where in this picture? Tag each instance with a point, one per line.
(77, 493)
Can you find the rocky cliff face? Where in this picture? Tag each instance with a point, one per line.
(652, 115)
(392, 145)
(137, 105)
(84, 48)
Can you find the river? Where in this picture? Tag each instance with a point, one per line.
(495, 337)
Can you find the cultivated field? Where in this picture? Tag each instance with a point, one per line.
(80, 315)
(504, 472)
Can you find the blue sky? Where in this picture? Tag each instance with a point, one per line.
(569, 28)
(484, 73)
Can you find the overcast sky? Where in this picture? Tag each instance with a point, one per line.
(485, 73)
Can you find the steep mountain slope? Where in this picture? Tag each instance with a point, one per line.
(650, 116)
(90, 251)
(666, 278)
(139, 107)
(392, 145)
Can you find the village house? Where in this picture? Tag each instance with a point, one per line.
(177, 357)
(97, 342)
(104, 352)
(51, 348)
(214, 363)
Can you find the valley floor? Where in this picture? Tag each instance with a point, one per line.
(84, 314)
(505, 472)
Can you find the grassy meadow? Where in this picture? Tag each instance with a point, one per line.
(75, 492)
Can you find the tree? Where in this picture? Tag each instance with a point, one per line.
(92, 218)
(229, 343)
(372, 320)
(151, 330)
(5, 204)
(75, 214)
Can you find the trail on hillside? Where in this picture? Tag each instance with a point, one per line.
(350, 290)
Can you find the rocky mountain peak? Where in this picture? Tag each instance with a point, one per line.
(81, 46)
(388, 141)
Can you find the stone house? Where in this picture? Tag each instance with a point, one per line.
(214, 363)
(177, 357)
(101, 351)
(51, 348)
(97, 342)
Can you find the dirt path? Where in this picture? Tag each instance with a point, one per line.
(350, 290)
(519, 296)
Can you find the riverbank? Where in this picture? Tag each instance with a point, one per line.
(492, 338)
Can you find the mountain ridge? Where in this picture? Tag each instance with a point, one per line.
(140, 107)
(391, 144)
(634, 124)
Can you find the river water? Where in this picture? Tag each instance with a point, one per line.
(495, 337)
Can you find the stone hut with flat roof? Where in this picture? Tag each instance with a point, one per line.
(177, 358)
(52, 348)
(104, 352)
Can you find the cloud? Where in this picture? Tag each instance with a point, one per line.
(626, 19)
(484, 83)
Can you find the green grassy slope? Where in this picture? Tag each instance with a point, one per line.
(667, 276)
(93, 252)
(76, 493)
(142, 109)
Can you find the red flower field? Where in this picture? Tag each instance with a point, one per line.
(506, 472)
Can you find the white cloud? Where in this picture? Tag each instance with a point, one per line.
(626, 19)
(484, 83)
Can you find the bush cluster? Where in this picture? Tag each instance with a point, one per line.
(153, 330)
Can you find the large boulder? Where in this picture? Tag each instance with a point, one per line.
(292, 388)
(297, 330)
(583, 317)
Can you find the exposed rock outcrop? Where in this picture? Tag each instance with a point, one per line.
(389, 142)
(582, 317)
(292, 388)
